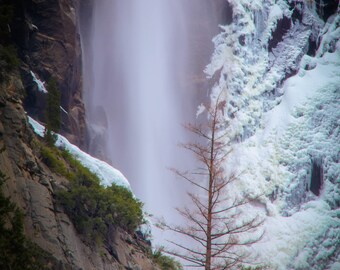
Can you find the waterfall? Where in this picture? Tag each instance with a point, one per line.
(143, 63)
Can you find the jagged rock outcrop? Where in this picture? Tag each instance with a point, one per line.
(31, 185)
(46, 33)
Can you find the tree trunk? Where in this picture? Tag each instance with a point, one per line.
(210, 196)
(212, 221)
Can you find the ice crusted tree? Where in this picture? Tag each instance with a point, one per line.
(215, 221)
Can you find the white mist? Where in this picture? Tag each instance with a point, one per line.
(139, 67)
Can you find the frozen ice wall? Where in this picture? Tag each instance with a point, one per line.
(277, 64)
(142, 62)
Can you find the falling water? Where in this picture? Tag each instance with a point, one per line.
(143, 63)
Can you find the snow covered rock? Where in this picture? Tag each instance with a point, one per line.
(278, 67)
(106, 173)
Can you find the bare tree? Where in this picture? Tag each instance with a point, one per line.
(215, 223)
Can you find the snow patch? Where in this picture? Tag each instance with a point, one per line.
(200, 109)
(106, 173)
(299, 88)
(40, 84)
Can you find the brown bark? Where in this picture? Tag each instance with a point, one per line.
(213, 222)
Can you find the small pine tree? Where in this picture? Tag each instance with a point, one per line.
(53, 119)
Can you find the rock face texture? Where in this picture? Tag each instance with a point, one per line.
(46, 33)
(31, 185)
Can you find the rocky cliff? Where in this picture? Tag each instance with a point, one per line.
(32, 185)
(46, 34)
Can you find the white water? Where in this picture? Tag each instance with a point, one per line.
(139, 66)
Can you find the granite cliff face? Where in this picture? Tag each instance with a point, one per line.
(46, 36)
(46, 33)
(32, 186)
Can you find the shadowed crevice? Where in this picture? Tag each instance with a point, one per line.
(316, 177)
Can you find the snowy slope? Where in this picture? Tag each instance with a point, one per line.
(106, 173)
(283, 112)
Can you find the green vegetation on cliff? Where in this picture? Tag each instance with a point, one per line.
(165, 262)
(16, 252)
(93, 208)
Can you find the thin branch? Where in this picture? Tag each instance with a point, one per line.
(215, 224)
(184, 176)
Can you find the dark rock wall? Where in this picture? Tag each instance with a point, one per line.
(31, 185)
(47, 36)
(45, 33)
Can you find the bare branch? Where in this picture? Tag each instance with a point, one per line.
(215, 221)
(184, 176)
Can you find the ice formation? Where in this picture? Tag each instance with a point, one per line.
(283, 117)
(40, 84)
(61, 108)
(106, 173)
